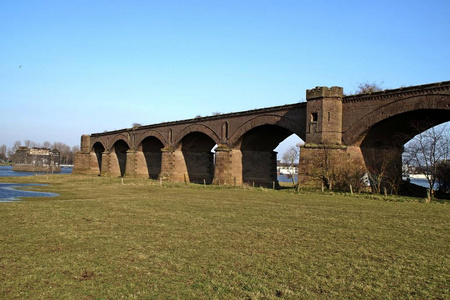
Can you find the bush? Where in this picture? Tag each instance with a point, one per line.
(443, 176)
(345, 177)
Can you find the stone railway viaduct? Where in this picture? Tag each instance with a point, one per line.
(352, 128)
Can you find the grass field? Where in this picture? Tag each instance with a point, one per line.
(101, 239)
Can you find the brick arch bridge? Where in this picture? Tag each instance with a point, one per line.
(349, 126)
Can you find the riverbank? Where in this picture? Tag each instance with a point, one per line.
(104, 239)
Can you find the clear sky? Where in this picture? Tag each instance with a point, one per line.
(76, 67)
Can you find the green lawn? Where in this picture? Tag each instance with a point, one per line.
(101, 239)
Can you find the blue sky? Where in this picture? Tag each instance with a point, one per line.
(91, 66)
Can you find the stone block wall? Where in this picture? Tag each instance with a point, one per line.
(259, 167)
(316, 161)
(36, 160)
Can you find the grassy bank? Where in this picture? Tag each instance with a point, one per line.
(102, 239)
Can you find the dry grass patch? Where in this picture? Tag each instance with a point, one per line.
(100, 239)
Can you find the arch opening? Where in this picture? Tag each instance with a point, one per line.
(196, 148)
(151, 147)
(98, 150)
(120, 148)
(383, 145)
(288, 157)
(259, 160)
(425, 161)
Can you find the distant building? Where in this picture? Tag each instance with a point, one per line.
(36, 160)
(286, 169)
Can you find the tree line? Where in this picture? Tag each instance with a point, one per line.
(67, 153)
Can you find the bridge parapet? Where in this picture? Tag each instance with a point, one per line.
(424, 89)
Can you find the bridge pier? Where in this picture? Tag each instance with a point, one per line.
(167, 163)
(141, 167)
(259, 168)
(135, 165)
(110, 164)
(86, 164)
(324, 157)
(228, 166)
(323, 163)
(130, 164)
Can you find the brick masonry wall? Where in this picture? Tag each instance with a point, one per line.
(340, 160)
(346, 124)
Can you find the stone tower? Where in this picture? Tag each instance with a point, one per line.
(324, 115)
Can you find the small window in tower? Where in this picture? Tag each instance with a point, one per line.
(328, 116)
(314, 117)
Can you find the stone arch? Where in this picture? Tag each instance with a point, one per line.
(256, 140)
(118, 157)
(97, 150)
(195, 149)
(269, 119)
(398, 112)
(151, 147)
(120, 137)
(150, 133)
(101, 140)
(196, 128)
(259, 160)
(382, 133)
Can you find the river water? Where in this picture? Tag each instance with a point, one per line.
(7, 171)
(10, 192)
(285, 178)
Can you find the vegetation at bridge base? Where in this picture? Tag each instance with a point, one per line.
(101, 239)
(443, 176)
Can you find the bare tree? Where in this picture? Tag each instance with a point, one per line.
(3, 152)
(426, 150)
(46, 144)
(443, 176)
(291, 157)
(383, 168)
(12, 150)
(75, 149)
(368, 88)
(29, 143)
(65, 153)
(350, 179)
